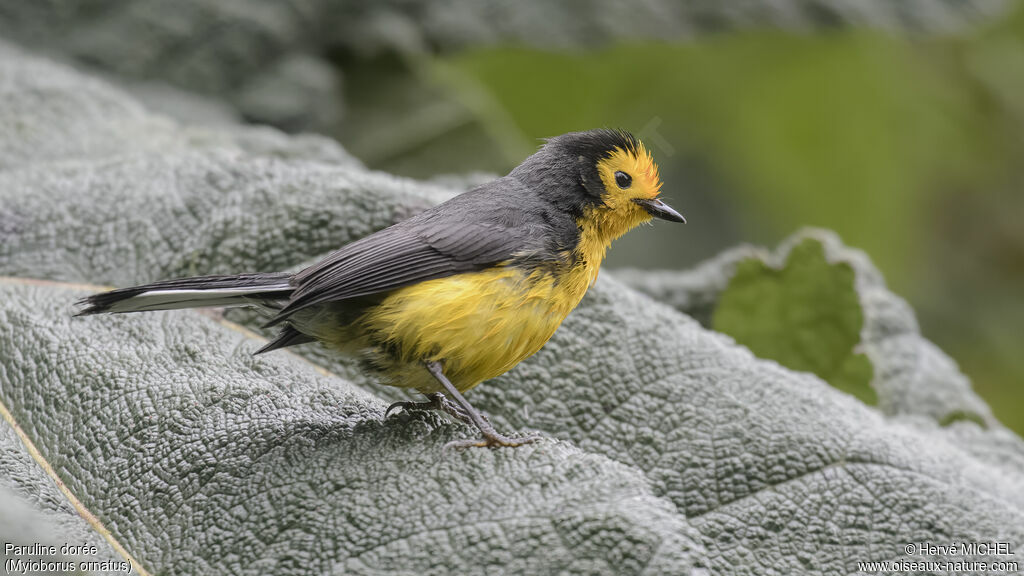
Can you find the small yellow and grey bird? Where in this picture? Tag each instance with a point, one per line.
(457, 294)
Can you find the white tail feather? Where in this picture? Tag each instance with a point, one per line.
(177, 299)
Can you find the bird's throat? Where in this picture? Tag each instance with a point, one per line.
(599, 227)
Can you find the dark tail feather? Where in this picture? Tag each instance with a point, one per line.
(198, 292)
(288, 336)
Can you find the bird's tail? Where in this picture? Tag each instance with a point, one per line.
(198, 292)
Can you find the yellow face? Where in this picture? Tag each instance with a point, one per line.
(628, 176)
(629, 197)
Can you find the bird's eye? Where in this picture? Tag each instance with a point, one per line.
(623, 180)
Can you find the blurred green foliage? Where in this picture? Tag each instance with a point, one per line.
(910, 148)
(806, 316)
(849, 131)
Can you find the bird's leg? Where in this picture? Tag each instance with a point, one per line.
(465, 412)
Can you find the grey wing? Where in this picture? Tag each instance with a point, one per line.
(424, 248)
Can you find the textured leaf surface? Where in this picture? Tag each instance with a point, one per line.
(671, 449)
(35, 511)
(208, 460)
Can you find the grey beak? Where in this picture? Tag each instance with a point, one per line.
(659, 209)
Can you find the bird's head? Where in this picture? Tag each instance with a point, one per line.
(605, 178)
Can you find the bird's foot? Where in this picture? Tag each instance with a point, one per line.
(462, 410)
(408, 405)
(456, 411)
(493, 439)
(436, 401)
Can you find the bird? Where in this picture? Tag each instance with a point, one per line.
(459, 293)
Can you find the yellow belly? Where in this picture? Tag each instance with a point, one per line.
(479, 325)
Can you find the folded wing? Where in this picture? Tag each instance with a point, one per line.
(448, 240)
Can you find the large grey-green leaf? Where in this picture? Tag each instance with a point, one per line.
(36, 512)
(671, 449)
(207, 460)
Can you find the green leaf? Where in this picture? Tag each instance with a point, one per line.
(910, 375)
(806, 316)
(854, 377)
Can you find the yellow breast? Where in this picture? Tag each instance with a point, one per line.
(481, 324)
(478, 324)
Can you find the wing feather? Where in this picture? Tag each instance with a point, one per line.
(471, 232)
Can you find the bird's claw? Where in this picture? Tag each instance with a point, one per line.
(491, 441)
(436, 401)
(405, 405)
